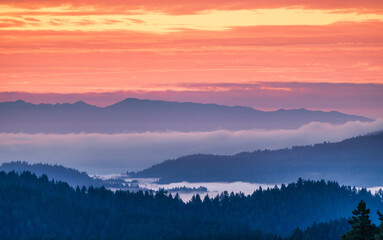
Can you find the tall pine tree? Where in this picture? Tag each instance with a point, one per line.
(362, 228)
(379, 236)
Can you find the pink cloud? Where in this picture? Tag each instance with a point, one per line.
(60, 61)
(190, 6)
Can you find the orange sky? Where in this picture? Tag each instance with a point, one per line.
(104, 46)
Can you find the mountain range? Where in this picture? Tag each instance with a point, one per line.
(356, 161)
(135, 115)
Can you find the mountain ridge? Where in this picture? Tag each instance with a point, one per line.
(355, 161)
(136, 115)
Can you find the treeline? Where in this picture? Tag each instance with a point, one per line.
(332, 230)
(35, 208)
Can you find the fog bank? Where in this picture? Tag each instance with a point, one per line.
(116, 153)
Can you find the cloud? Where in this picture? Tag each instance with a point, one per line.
(70, 61)
(116, 153)
(4, 23)
(193, 6)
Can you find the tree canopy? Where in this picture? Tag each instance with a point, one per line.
(34, 207)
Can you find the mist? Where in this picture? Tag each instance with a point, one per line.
(117, 153)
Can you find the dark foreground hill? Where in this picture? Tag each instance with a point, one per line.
(134, 115)
(69, 175)
(357, 161)
(57, 172)
(36, 208)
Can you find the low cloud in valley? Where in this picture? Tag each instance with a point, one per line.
(117, 153)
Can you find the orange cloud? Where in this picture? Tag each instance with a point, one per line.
(77, 61)
(193, 6)
(7, 22)
(58, 20)
(82, 46)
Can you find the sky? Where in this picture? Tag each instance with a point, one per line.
(266, 54)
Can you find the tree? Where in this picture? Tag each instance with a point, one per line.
(380, 216)
(379, 236)
(362, 229)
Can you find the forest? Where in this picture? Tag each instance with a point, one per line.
(34, 207)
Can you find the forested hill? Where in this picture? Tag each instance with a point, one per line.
(136, 115)
(36, 208)
(357, 161)
(56, 172)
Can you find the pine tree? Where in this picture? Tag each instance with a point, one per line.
(379, 236)
(380, 216)
(362, 229)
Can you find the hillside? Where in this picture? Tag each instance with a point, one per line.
(56, 172)
(36, 208)
(135, 115)
(357, 161)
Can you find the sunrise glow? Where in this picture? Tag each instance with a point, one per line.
(145, 47)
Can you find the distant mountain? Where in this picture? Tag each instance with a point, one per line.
(134, 115)
(357, 161)
(56, 172)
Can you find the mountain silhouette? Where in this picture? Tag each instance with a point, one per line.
(135, 115)
(356, 161)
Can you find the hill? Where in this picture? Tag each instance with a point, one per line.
(36, 208)
(135, 115)
(56, 172)
(357, 161)
(69, 175)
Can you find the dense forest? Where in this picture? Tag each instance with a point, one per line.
(34, 207)
(322, 231)
(356, 162)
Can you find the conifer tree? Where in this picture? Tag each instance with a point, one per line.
(380, 216)
(379, 236)
(362, 228)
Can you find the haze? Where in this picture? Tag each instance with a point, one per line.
(118, 153)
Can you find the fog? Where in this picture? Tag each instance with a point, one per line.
(117, 153)
(215, 188)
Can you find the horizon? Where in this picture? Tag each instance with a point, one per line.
(103, 102)
(160, 100)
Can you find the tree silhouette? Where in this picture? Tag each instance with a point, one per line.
(34, 207)
(362, 229)
(380, 216)
(379, 236)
